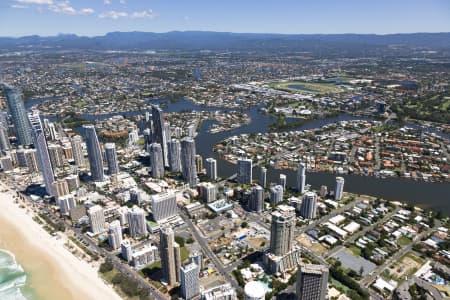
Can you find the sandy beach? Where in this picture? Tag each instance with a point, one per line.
(56, 274)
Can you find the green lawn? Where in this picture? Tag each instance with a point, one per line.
(414, 257)
(403, 241)
(355, 250)
(306, 87)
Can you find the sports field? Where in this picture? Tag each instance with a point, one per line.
(306, 87)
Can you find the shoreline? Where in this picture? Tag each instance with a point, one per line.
(54, 272)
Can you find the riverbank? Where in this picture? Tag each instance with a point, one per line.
(55, 273)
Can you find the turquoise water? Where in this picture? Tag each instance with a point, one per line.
(13, 279)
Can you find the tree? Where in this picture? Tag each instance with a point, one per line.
(106, 267)
(244, 224)
(179, 240)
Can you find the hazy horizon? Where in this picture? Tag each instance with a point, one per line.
(98, 17)
(232, 32)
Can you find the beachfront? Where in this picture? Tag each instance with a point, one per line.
(55, 273)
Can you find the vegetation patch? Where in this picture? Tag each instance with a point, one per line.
(306, 87)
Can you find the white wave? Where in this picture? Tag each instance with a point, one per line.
(12, 277)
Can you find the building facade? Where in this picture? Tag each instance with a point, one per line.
(94, 153)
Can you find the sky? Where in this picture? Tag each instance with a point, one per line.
(97, 17)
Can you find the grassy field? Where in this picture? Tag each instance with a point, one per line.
(355, 250)
(405, 267)
(403, 240)
(306, 87)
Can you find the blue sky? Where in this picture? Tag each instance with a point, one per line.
(96, 17)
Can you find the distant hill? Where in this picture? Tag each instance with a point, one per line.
(195, 40)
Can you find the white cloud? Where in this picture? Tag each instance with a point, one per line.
(143, 14)
(122, 2)
(18, 6)
(113, 14)
(35, 1)
(63, 8)
(86, 11)
(107, 2)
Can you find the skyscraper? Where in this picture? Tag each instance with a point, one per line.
(42, 152)
(19, 115)
(263, 177)
(282, 181)
(158, 131)
(156, 160)
(147, 137)
(256, 202)
(170, 256)
(196, 257)
(211, 168)
(56, 155)
(115, 234)
(189, 277)
(111, 158)
(309, 206)
(164, 205)
(77, 150)
(282, 230)
(312, 282)
(94, 153)
(32, 160)
(97, 219)
(301, 177)
(189, 168)
(167, 138)
(244, 172)
(136, 222)
(208, 191)
(4, 138)
(174, 148)
(276, 194)
(199, 163)
(66, 203)
(339, 191)
(52, 131)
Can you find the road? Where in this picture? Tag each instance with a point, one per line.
(204, 244)
(118, 264)
(366, 281)
(361, 233)
(324, 219)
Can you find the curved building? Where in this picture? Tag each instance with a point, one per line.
(18, 115)
(254, 290)
(94, 153)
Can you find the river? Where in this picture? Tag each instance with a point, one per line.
(431, 195)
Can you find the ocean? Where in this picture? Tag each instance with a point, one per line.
(13, 279)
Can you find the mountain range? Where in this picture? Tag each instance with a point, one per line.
(195, 40)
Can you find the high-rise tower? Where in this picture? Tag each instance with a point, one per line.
(111, 158)
(189, 168)
(312, 281)
(244, 172)
(94, 153)
(156, 160)
(339, 192)
(18, 113)
(301, 177)
(42, 152)
(170, 256)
